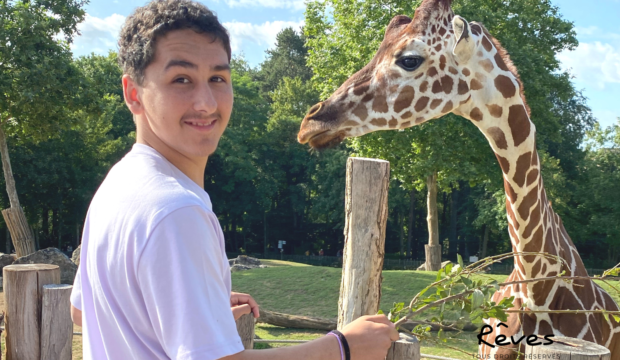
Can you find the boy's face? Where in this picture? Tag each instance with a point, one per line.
(186, 99)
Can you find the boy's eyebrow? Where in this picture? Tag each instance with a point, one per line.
(181, 63)
(222, 67)
(190, 65)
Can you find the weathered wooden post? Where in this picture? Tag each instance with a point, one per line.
(564, 348)
(245, 328)
(366, 207)
(56, 323)
(23, 297)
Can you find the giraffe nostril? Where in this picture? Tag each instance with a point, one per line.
(315, 109)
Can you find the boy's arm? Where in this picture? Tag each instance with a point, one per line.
(369, 338)
(76, 316)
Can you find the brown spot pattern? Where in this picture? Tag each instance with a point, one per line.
(505, 86)
(531, 177)
(351, 123)
(453, 71)
(438, 48)
(407, 115)
(380, 104)
(406, 124)
(437, 88)
(500, 62)
(361, 88)
(475, 84)
(379, 122)
(392, 123)
(424, 86)
(442, 31)
(498, 137)
(528, 201)
(534, 246)
(463, 88)
(361, 112)
(404, 99)
(368, 97)
(448, 107)
(571, 325)
(476, 29)
(432, 72)
(503, 163)
(421, 104)
(476, 114)
(447, 84)
(466, 72)
(486, 44)
(435, 103)
(519, 123)
(495, 110)
(533, 223)
(486, 64)
(523, 164)
(466, 100)
(544, 328)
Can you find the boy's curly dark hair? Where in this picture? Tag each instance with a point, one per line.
(141, 30)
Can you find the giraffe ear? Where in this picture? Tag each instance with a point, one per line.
(464, 47)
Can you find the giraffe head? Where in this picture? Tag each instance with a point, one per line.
(426, 67)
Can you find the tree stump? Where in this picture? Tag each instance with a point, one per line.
(23, 297)
(245, 328)
(366, 207)
(564, 348)
(407, 348)
(56, 324)
(23, 240)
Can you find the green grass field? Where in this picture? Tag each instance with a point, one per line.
(300, 289)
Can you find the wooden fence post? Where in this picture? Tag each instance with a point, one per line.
(366, 207)
(245, 328)
(56, 324)
(564, 348)
(23, 296)
(407, 348)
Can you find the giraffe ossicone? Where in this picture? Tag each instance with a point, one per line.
(438, 63)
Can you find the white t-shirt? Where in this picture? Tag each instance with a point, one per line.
(154, 281)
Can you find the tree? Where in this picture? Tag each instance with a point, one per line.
(344, 35)
(38, 83)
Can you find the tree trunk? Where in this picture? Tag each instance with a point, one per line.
(443, 221)
(292, 321)
(453, 236)
(265, 233)
(411, 222)
(433, 262)
(401, 225)
(14, 217)
(485, 241)
(234, 234)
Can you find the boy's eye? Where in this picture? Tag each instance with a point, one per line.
(217, 79)
(181, 80)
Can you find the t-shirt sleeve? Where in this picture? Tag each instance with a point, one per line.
(76, 291)
(180, 276)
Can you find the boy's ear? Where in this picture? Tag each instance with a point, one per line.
(130, 93)
(464, 47)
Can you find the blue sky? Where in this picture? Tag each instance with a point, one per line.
(254, 24)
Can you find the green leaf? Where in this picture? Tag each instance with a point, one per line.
(460, 260)
(477, 298)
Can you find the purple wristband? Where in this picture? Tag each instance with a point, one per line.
(339, 344)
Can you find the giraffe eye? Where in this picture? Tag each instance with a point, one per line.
(410, 63)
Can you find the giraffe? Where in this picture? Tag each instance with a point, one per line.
(437, 63)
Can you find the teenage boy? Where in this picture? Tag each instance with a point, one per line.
(154, 281)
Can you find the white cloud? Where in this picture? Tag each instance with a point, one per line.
(286, 4)
(263, 34)
(593, 63)
(98, 35)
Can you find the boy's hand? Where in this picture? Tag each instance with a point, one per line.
(370, 337)
(242, 304)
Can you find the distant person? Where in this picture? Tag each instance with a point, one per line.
(321, 253)
(307, 252)
(339, 253)
(154, 281)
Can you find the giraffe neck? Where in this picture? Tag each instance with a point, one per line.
(533, 225)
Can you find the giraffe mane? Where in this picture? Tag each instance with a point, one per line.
(509, 64)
